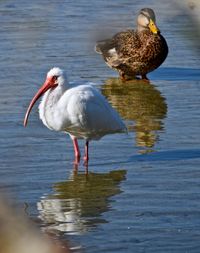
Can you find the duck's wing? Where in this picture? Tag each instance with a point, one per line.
(127, 42)
(115, 51)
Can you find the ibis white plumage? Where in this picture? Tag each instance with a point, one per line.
(79, 110)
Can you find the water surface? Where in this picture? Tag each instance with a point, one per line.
(142, 191)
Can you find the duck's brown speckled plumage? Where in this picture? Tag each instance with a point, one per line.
(135, 52)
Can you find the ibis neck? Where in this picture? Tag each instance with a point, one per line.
(48, 106)
(52, 96)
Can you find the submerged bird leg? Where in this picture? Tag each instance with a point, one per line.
(86, 157)
(144, 77)
(125, 78)
(122, 76)
(75, 169)
(76, 151)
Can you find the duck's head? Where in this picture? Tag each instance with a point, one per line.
(55, 78)
(147, 21)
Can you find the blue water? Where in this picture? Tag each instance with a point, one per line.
(142, 191)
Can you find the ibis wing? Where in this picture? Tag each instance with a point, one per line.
(89, 114)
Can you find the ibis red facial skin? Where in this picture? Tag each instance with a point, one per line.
(79, 110)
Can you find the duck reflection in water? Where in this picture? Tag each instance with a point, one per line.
(141, 105)
(78, 203)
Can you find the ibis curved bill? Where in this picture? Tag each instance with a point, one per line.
(79, 110)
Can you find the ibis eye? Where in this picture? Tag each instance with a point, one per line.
(55, 78)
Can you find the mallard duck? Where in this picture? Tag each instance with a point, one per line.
(135, 52)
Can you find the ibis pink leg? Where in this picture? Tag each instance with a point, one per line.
(76, 151)
(86, 156)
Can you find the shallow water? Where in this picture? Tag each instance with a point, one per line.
(142, 191)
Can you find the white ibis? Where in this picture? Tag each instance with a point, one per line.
(81, 111)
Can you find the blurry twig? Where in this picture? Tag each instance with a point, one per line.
(19, 235)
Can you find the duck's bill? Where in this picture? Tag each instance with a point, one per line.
(153, 27)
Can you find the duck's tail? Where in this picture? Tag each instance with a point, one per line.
(103, 46)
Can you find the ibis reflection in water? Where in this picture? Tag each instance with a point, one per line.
(141, 105)
(77, 204)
